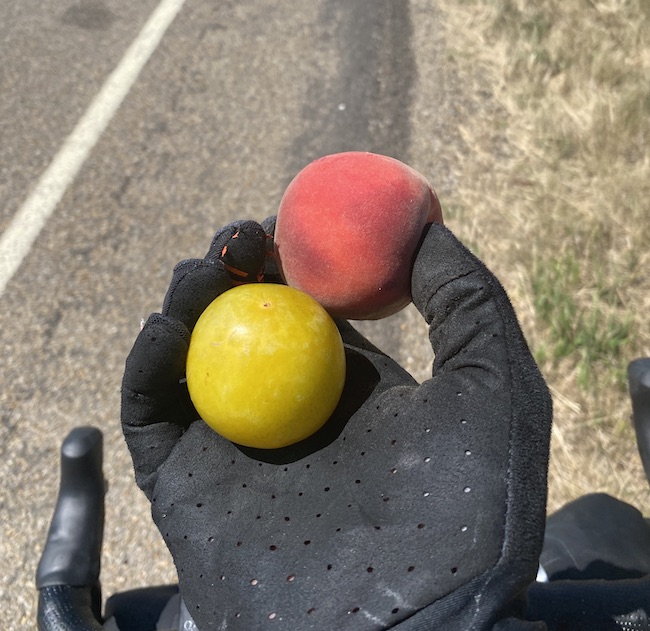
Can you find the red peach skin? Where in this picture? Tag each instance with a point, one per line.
(347, 229)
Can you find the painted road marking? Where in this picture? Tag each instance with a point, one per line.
(24, 228)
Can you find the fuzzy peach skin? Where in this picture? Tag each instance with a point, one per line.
(347, 230)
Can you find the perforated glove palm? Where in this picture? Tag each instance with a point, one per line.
(416, 506)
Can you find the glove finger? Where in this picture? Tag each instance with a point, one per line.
(195, 284)
(269, 225)
(463, 303)
(241, 245)
(156, 408)
(271, 269)
(482, 364)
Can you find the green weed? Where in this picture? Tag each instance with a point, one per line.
(592, 334)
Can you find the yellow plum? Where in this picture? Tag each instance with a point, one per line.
(265, 366)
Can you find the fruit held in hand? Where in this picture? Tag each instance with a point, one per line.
(265, 366)
(347, 230)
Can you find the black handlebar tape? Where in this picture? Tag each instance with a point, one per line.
(66, 608)
(639, 383)
(72, 552)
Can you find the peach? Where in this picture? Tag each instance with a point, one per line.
(347, 229)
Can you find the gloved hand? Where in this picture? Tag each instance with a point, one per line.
(414, 507)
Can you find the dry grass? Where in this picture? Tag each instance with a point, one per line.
(555, 196)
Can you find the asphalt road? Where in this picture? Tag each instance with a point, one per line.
(236, 98)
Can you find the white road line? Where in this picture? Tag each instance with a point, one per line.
(24, 228)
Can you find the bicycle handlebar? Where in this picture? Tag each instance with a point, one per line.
(67, 576)
(639, 382)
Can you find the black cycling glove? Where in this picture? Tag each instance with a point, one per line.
(417, 506)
